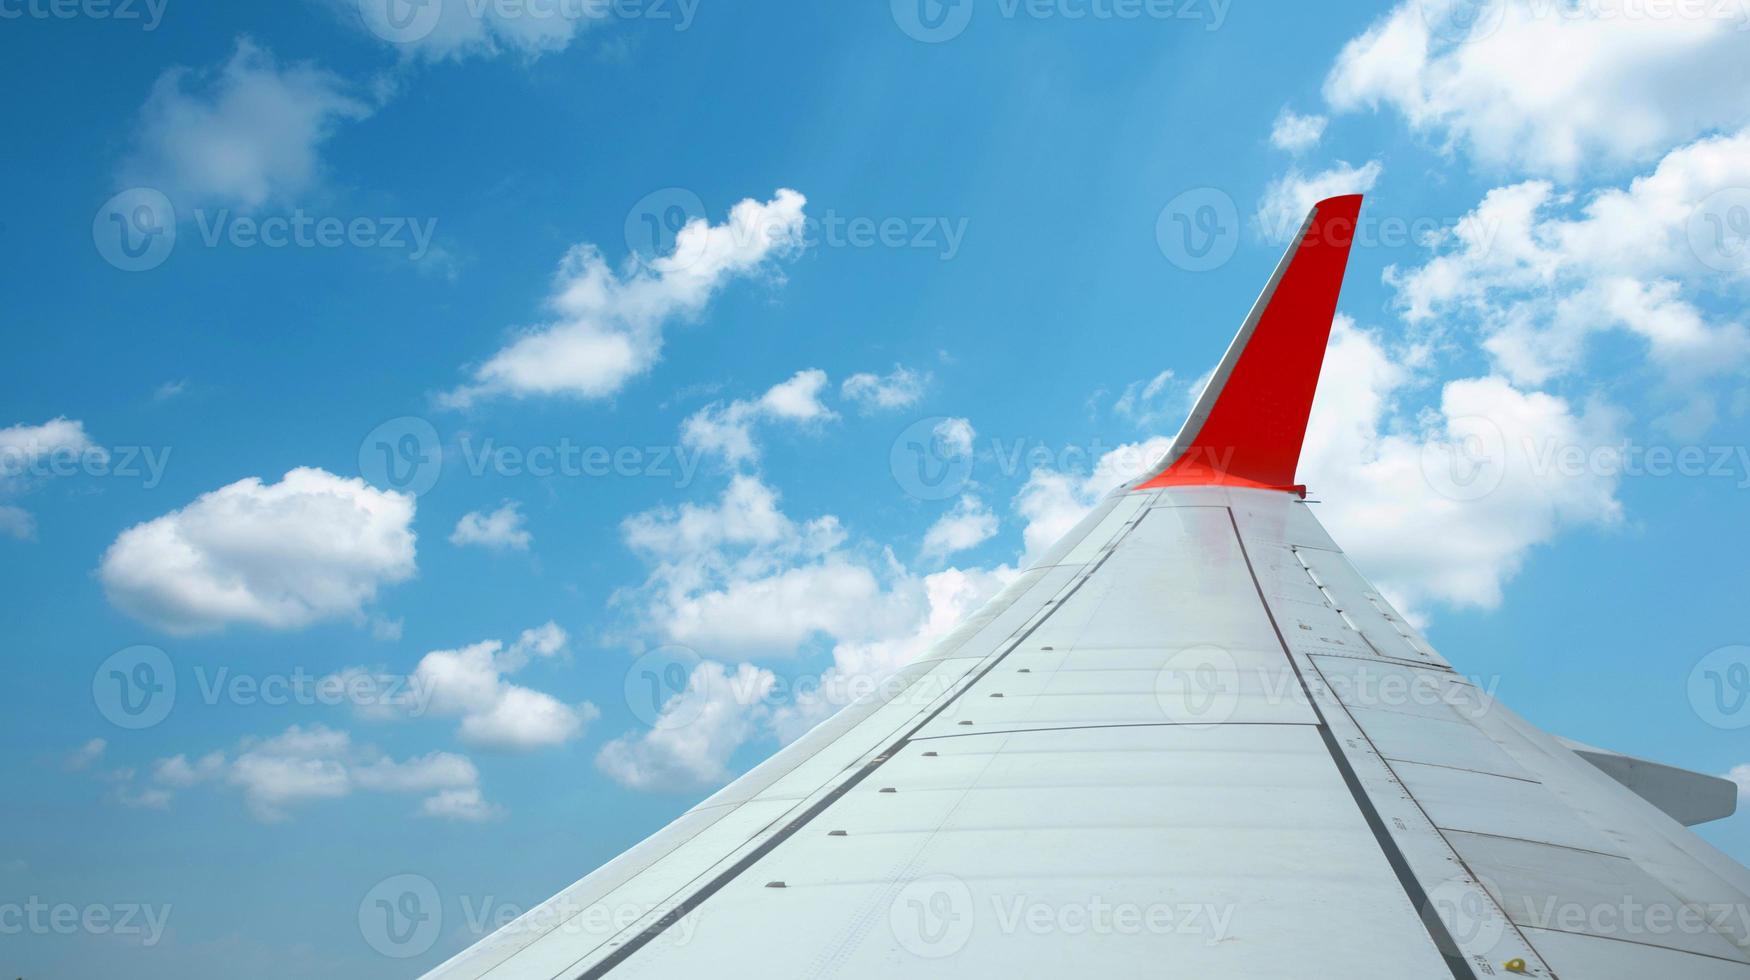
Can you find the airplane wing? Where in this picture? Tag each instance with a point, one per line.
(1191, 741)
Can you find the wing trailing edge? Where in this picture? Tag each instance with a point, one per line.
(1247, 427)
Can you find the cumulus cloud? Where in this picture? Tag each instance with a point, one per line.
(500, 530)
(1296, 133)
(955, 436)
(1288, 198)
(1539, 273)
(607, 326)
(726, 429)
(284, 555)
(695, 735)
(245, 135)
(900, 388)
(968, 525)
(471, 684)
(29, 454)
(302, 765)
(1446, 506)
(1054, 501)
(739, 578)
(1633, 79)
(456, 30)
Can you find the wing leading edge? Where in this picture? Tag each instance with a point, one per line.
(1191, 738)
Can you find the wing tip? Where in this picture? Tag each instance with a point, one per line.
(1242, 439)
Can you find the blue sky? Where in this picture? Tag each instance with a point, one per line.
(511, 379)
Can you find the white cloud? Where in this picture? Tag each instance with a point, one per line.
(955, 436)
(1539, 274)
(30, 454)
(1445, 506)
(1288, 198)
(1148, 402)
(455, 30)
(696, 733)
(24, 447)
(1741, 776)
(309, 548)
(608, 326)
(968, 525)
(1053, 502)
(900, 388)
(1632, 80)
(244, 136)
(500, 530)
(471, 684)
(727, 429)
(86, 755)
(303, 765)
(740, 579)
(1296, 133)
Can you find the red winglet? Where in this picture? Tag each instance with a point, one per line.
(1249, 422)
